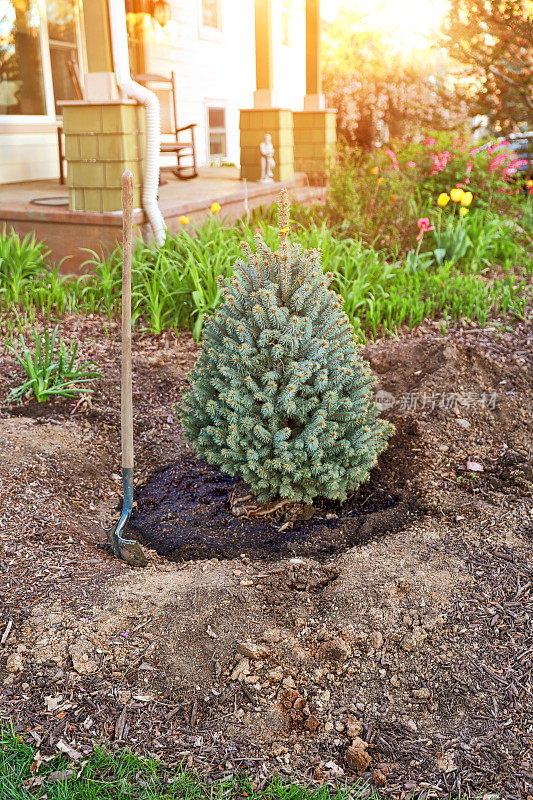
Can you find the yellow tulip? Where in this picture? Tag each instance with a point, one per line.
(456, 195)
(529, 184)
(215, 208)
(463, 212)
(443, 199)
(184, 220)
(374, 170)
(467, 198)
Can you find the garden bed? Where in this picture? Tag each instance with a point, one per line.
(416, 641)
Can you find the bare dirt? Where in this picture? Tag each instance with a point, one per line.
(405, 659)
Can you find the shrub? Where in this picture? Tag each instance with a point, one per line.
(280, 394)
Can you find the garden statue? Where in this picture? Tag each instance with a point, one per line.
(280, 395)
(267, 159)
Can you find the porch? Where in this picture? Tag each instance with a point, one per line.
(26, 208)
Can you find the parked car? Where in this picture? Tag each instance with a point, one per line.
(522, 145)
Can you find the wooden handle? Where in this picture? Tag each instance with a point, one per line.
(126, 383)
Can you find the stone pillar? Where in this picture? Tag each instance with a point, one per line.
(254, 123)
(314, 143)
(314, 99)
(264, 117)
(314, 127)
(102, 139)
(264, 63)
(100, 83)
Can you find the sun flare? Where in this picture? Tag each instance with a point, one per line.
(412, 22)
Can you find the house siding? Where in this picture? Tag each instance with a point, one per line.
(211, 69)
(30, 154)
(219, 69)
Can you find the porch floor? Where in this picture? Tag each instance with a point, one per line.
(68, 233)
(212, 180)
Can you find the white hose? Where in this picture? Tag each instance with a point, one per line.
(119, 40)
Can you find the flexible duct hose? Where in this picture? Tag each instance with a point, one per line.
(119, 40)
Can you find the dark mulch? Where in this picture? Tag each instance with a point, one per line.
(184, 511)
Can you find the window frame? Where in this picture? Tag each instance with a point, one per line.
(50, 116)
(223, 106)
(206, 31)
(287, 17)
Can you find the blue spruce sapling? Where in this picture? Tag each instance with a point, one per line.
(279, 393)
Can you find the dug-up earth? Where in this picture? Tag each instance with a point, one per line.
(404, 661)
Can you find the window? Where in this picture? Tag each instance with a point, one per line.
(63, 39)
(22, 90)
(216, 131)
(39, 55)
(211, 17)
(286, 19)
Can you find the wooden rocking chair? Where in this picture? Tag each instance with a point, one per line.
(169, 125)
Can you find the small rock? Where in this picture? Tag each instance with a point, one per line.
(271, 635)
(289, 682)
(311, 723)
(430, 620)
(336, 649)
(242, 669)
(275, 675)
(411, 724)
(464, 423)
(81, 661)
(288, 697)
(408, 643)
(377, 640)
(379, 778)
(334, 769)
(422, 694)
(14, 663)
(357, 757)
(251, 650)
(395, 681)
(353, 727)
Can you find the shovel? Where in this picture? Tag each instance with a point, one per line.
(128, 550)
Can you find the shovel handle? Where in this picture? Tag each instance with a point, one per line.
(126, 378)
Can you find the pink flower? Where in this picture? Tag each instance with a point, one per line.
(423, 226)
(469, 167)
(393, 159)
(410, 164)
(499, 145)
(430, 142)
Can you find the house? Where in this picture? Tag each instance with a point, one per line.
(242, 68)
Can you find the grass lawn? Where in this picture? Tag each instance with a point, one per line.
(113, 776)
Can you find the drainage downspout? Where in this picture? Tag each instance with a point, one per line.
(119, 40)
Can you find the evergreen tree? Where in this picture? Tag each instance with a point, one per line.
(280, 394)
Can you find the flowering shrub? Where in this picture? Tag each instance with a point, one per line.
(446, 160)
(379, 196)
